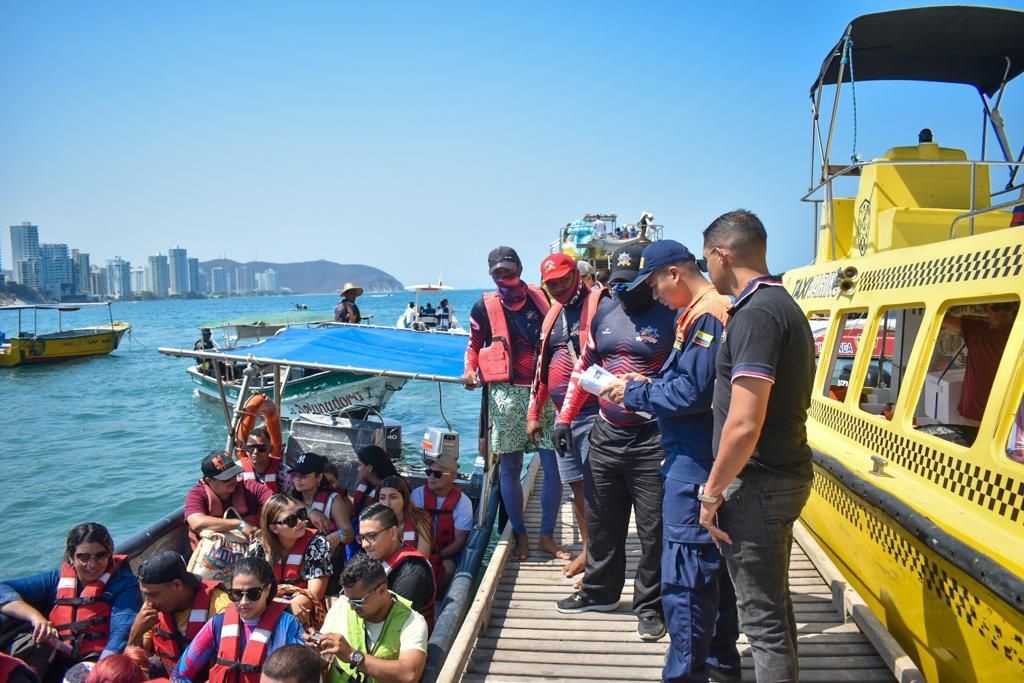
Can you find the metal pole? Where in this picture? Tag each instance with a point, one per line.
(835, 112)
(485, 436)
(223, 399)
(237, 413)
(973, 191)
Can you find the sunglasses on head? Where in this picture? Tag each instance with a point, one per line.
(291, 521)
(434, 473)
(358, 603)
(258, 447)
(371, 538)
(252, 594)
(85, 557)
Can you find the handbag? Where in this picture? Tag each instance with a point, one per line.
(217, 551)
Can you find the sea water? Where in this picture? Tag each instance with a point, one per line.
(118, 439)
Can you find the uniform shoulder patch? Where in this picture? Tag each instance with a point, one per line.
(703, 338)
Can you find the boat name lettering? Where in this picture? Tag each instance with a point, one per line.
(336, 403)
(822, 285)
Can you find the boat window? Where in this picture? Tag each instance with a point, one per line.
(819, 322)
(962, 368)
(895, 334)
(843, 354)
(1015, 439)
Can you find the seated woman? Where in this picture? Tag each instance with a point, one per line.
(329, 512)
(300, 557)
(228, 640)
(84, 609)
(333, 477)
(417, 528)
(374, 466)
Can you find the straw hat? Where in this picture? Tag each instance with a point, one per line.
(349, 286)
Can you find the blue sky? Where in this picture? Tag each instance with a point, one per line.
(414, 137)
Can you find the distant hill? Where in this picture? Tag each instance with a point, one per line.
(317, 276)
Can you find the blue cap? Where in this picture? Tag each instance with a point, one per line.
(660, 254)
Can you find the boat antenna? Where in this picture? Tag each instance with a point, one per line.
(440, 405)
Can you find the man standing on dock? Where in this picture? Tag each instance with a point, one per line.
(762, 474)
(698, 598)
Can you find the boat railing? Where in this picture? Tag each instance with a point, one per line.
(834, 172)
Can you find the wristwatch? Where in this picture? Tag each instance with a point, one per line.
(356, 659)
(704, 498)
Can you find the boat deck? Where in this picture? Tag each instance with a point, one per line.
(522, 637)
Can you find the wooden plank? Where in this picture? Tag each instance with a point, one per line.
(627, 624)
(575, 646)
(657, 660)
(582, 671)
(595, 635)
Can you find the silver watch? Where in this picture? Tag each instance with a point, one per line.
(356, 659)
(704, 498)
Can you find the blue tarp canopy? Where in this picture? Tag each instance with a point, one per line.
(358, 349)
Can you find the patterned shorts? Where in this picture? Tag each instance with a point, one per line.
(508, 404)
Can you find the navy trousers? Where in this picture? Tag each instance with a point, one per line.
(696, 593)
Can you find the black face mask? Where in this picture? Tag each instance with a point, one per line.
(636, 300)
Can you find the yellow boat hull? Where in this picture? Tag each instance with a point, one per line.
(59, 346)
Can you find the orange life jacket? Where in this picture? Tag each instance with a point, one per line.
(443, 515)
(289, 570)
(83, 620)
(269, 476)
(395, 561)
(234, 667)
(168, 643)
(495, 360)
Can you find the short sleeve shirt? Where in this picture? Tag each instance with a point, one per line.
(768, 338)
(463, 513)
(413, 635)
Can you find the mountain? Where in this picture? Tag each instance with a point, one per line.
(317, 276)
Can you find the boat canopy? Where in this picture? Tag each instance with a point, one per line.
(979, 46)
(358, 349)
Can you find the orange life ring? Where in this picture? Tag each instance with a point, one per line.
(258, 405)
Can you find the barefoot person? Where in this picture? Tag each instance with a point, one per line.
(504, 332)
(563, 336)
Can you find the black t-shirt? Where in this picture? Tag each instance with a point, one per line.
(769, 337)
(414, 581)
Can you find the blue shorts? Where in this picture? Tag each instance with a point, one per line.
(570, 465)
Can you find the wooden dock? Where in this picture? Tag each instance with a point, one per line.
(513, 632)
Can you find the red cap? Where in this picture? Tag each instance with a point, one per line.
(556, 266)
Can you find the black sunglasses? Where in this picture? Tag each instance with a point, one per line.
(291, 521)
(261, 447)
(437, 474)
(253, 594)
(84, 558)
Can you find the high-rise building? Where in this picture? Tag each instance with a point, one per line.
(25, 246)
(29, 272)
(267, 281)
(80, 272)
(119, 278)
(245, 280)
(194, 283)
(158, 275)
(204, 282)
(56, 277)
(219, 281)
(177, 259)
(98, 281)
(139, 277)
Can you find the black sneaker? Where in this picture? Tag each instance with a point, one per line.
(651, 627)
(718, 675)
(576, 603)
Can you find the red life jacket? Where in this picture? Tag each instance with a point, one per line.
(410, 537)
(591, 299)
(323, 501)
(365, 495)
(168, 643)
(83, 620)
(444, 516)
(234, 667)
(290, 569)
(9, 664)
(495, 360)
(395, 561)
(216, 508)
(269, 476)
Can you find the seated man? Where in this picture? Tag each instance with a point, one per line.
(218, 490)
(291, 664)
(372, 633)
(985, 340)
(409, 572)
(177, 605)
(452, 511)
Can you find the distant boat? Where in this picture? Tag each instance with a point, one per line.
(27, 348)
(426, 320)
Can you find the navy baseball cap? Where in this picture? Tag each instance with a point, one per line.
(663, 253)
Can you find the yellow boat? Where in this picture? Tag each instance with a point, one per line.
(32, 347)
(919, 480)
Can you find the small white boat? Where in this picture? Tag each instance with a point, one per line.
(426, 319)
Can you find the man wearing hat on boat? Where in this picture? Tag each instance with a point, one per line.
(698, 598)
(452, 510)
(347, 311)
(218, 490)
(629, 332)
(177, 604)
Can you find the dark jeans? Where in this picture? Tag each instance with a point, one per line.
(696, 593)
(624, 474)
(758, 514)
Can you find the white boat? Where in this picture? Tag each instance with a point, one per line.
(427, 321)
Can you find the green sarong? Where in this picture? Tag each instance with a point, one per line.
(508, 404)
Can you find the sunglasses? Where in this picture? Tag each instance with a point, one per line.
(358, 603)
(251, 594)
(291, 521)
(371, 538)
(84, 558)
(437, 474)
(257, 447)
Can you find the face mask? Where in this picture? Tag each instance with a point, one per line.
(636, 300)
(572, 294)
